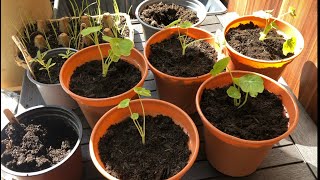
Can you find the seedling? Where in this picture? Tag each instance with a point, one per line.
(290, 43)
(183, 37)
(135, 116)
(66, 55)
(250, 84)
(45, 66)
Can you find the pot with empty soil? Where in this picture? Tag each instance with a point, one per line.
(167, 149)
(240, 131)
(154, 15)
(45, 75)
(177, 75)
(98, 85)
(262, 44)
(45, 144)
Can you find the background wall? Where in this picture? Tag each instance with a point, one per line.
(301, 74)
(12, 14)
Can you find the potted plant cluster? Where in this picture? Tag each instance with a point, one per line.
(244, 114)
(41, 143)
(262, 43)
(144, 139)
(154, 15)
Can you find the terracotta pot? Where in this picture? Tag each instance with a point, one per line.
(53, 94)
(194, 5)
(234, 156)
(152, 107)
(272, 69)
(71, 166)
(94, 108)
(180, 91)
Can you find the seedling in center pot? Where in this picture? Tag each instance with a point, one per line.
(135, 116)
(183, 37)
(45, 66)
(250, 84)
(290, 43)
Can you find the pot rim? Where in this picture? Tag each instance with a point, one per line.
(285, 60)
(73, 95)
(192, 157)
(72, 152)
(238, 141)
(164, 31)
(149, 2)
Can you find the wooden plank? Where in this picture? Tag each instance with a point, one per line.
(305, 135)
(150, 75)
(85, 153)
(86, 133)
(91, 172)
(201, 170)
(139, 38)
(151, 85)
(83, 120)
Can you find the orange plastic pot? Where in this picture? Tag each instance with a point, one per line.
(94, 108)
(152, 107)
(272, 68)
(234, 156)
(180, 91)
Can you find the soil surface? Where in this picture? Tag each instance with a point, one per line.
(261, 118)
(166, 56)
(37, 144)
(87, 80)
(245, 40)
(161, 14)
(42, 75)
(165, 153)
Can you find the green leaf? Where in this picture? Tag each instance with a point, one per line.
(292, 11)
(90, 30)
(219, 66)
(107, 38)
(289, 46)
(134, 116)
(51, 65)
(124, 103)
(142, 91)
(267, 29)
(236, 81)
(112, 56)
(186, 24)
(49, 62)
(121, 47)
(233, 92)
(173, 23)
(41, 68)
(251, 83)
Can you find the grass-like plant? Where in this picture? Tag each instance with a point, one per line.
(250, 84)
(45, 65)
(135, 116)
(66, 55)
(290, 43)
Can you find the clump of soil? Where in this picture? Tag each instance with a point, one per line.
(37, 144)
(167, 57)
(161, 14)
(261, 118)
(245, 40)
(164, 154)
(42, 75)
(87, 80)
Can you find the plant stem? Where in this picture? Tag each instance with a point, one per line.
(136, 123)
(49, 75)
(144, 122)
(245, 100)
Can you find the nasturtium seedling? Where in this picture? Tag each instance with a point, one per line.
(135, 116)
(250, 84)
(289, 46)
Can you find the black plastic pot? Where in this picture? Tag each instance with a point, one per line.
(53, 94)
(71, 166)
(194, 5)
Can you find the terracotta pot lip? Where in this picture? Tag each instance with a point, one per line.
(72, 152)
(239, 141)
(143, 77)
(260, 60)
(192, 158)
(147, 2)
(163, 31)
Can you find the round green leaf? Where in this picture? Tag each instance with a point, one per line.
(219, 66)
(233, 92)
(251, 83)
(90, 30)
(121, 47)
(134, 116)
(289, 46)
(142, 91)
(124, 103)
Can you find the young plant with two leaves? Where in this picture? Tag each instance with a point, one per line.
(45, 65)
(290, 43)
(250, 84)
(135, 116)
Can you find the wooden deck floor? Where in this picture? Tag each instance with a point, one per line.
(292, 158)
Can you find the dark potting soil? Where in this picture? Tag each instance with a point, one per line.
(87, 80)
(261, 118)
(42, 75)
(164, 154)
(161, 14)
(167, 57)
(245, 40)
(37, 144)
